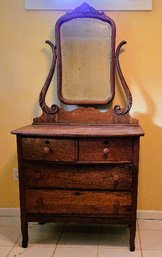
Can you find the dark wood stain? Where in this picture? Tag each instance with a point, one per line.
(82, 165)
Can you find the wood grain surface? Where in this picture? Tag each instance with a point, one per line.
(77, 202)
(100, 177)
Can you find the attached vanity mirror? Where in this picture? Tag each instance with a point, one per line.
(81, 166)
(85, 57)
(86, 45)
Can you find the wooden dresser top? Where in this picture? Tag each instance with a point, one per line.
(75, 130)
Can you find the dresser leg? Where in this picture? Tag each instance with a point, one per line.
(132, 247)
(132, 237)
(24, 229)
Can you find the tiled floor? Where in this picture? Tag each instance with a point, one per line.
(58, 240)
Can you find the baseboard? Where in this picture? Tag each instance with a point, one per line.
(9, 212)
(143, 215)
(149, 215)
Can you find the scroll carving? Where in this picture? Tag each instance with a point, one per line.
(54, 108)
(117, 109)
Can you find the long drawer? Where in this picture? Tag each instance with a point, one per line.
(105, 150)
(63, 150)
(115, 177)
(70, 202)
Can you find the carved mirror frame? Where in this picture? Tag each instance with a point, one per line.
(85, 11)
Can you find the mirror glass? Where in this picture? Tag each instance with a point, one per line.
(86, 61)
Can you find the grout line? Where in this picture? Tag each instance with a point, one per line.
(138, 229)
(13, 246)
(100, 234)
(58, 240)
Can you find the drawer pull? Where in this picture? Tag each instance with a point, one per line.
(46, 149)
(116, 181)
(106, 150)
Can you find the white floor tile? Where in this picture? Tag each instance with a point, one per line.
(43, 235)
(106, 252)
(76, 252)
(152, 253)
(4, 250)
(117, 236)
(9, 235)
(79, 240)
(32, 251)
(150, 224)
(151, 239)
(80, 236)
(45, 239)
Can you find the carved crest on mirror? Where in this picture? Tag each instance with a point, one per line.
(85, 58)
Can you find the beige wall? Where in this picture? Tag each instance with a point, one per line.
(24, 63)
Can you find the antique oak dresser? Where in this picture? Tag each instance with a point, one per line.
(81, 165)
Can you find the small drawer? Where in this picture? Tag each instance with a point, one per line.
(70, 202)
(62, 150)
(101, 177)
(105, 150)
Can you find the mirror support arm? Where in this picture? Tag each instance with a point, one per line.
(117, 109)
(54, 108)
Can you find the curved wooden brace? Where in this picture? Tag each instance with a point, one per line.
(54, 108)
(117, 109)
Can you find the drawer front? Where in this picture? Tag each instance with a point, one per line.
(69, 202)
(117, 177)
(106, 150)
(63, 150)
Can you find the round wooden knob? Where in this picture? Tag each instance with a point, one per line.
(106, 150)
(46, 149)
(116, 177)
(116, 181)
